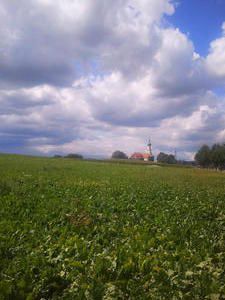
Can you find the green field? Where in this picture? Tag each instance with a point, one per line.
(88, 230)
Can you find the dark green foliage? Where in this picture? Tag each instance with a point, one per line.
(213, 157)
(203, 156)
(5, 189)
(166, 158)
(218, 156)
(119, 155)
(74, 229)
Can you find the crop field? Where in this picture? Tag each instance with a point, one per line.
(87, 230)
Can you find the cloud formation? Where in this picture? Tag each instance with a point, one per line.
(94, 76)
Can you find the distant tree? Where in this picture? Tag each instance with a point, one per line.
(162, 157)
(203, 156)
(166, 158)
(74, 156)
(171, 159)
(218, 156)
(57, 156)
(119, 155)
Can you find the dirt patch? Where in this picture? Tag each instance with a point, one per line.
(79, 220)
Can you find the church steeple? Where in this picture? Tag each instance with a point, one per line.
(150, 147)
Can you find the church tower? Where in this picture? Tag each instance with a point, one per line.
(150, 147)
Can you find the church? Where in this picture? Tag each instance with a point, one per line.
(146, 156)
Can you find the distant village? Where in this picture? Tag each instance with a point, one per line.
(146, 156)
(210, 157)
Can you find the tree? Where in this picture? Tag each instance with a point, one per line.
(162, 157)
(119, 155)
(203, 156)
(213, 157)
(171, 159)
(166, 158)
(74, 156)
(218, 156)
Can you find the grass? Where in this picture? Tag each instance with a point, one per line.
(88, 230)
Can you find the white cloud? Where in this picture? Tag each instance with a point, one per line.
(215, 61)
(104, 75)
(120, 35)
(118, 100)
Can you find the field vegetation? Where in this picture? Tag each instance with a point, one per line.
(87, 230)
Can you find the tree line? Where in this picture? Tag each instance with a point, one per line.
(211, 157)
(70, 155)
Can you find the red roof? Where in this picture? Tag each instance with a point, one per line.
(137, 155)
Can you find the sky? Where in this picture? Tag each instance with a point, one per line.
(92, 77)
(201, 20)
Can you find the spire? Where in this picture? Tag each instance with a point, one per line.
(150, 147)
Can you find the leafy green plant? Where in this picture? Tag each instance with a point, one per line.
(87, 230)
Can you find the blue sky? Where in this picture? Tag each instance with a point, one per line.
(97, 76)
(201, 19)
